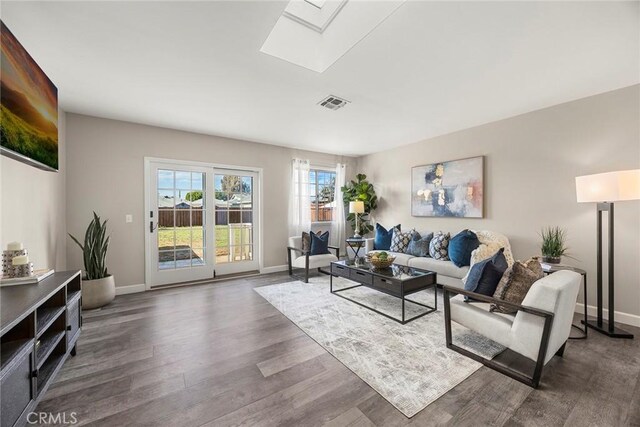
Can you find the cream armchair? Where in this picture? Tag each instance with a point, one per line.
(538, 331)
(297, 258)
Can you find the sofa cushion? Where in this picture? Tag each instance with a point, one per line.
(476, 316)
(419, 244)
(439, 246)
(401, 259)
(460, 247)
(516, 282)
(445, 268)
(400, 240)
(315, 261)
(382, 240)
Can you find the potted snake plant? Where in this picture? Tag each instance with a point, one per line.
(98, 286)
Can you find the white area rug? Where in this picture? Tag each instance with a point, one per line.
(409, 365)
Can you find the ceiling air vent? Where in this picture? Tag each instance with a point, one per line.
(332, 102)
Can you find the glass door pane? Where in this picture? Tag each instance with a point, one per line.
(181, 219)
(234, 220)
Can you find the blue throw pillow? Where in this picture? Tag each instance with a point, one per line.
(460, 247)
(485, 275)
(319, 243)
(419, 245)
(382, 241)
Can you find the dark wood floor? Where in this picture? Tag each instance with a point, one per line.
(219, 354)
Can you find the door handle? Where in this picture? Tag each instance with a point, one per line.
(151, 227)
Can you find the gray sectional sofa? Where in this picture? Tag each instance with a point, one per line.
(448, 273)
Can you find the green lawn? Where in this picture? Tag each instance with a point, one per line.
(192, 237)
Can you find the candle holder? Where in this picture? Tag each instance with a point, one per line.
(7, 264)
(24, 270)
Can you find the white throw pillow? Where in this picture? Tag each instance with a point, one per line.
(487, 237)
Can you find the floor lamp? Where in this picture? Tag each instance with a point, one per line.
(604, 189)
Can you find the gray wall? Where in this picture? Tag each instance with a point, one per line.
(33, 207)
(530, 165)
(106, 174)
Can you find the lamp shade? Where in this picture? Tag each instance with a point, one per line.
(356, 207)
(608, 187)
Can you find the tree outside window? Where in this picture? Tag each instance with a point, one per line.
(322, 186)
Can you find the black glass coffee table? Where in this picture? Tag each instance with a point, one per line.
(397, 281)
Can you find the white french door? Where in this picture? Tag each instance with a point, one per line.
(236, 221)
(201, 221)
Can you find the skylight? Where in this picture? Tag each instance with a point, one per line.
(314, 34)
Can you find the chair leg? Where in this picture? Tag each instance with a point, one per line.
(306, 269)
(560, 351)
(289, 262)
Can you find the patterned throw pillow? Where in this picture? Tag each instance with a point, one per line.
(516, 282)
(439, 246)
(400, 240)
(306, 242)
(419, 245)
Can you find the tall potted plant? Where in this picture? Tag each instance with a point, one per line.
(98, 286)
(360, 190)
(553, 246)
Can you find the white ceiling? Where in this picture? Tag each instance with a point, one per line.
(431, 68)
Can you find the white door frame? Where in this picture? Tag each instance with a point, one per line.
(148, 243)
(234, 267)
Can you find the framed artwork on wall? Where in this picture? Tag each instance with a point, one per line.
(449, 189)
(29, 103)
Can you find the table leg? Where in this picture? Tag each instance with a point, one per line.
(435, 292)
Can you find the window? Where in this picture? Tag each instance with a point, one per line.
(322, 185)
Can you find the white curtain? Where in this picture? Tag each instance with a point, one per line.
(339, 219)
(299, 198)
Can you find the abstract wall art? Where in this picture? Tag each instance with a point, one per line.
(448, 189)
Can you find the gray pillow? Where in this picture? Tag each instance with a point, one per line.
(419, 245)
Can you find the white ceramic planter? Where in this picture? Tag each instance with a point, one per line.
(99, 292)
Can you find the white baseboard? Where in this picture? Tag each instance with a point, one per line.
(130, 289)
(274, 269)
(626, 318)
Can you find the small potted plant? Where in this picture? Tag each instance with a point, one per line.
(553, 245)
(98, 286)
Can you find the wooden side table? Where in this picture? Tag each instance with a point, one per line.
(552, 268)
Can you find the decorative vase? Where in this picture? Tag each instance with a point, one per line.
(551, 259)
(99, 292)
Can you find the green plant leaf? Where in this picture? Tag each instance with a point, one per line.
(94, 250)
